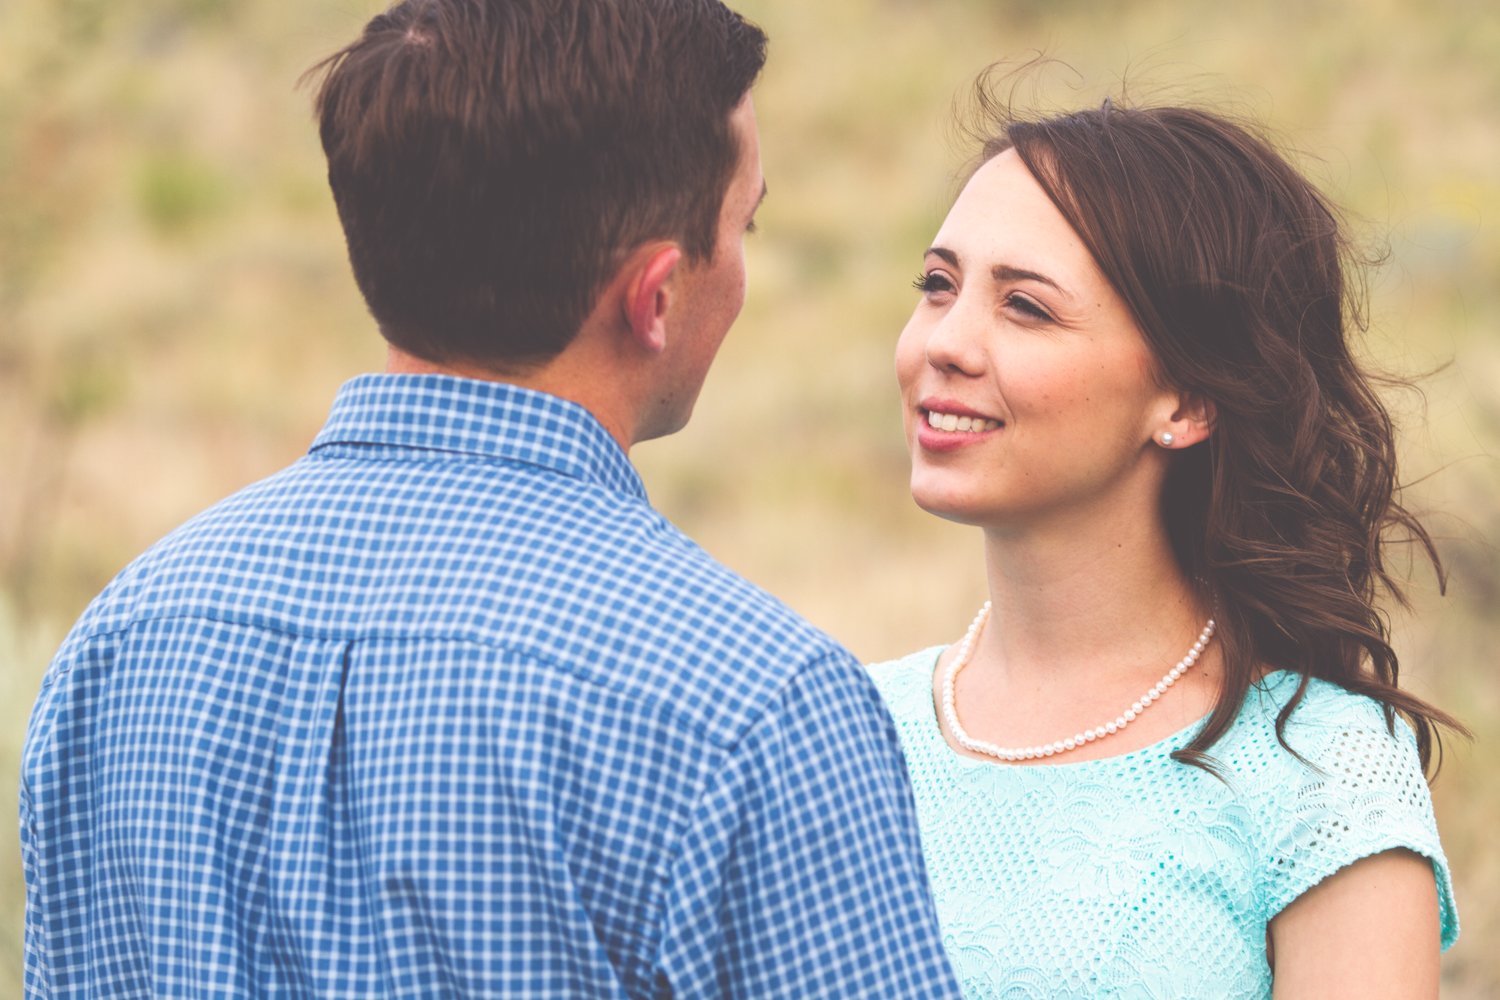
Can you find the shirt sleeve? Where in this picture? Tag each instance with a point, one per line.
(37, 974)
(800, 874)
(1365, 794)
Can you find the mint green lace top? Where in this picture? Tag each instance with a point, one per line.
(1139, 877)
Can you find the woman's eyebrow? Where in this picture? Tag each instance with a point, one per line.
(1004, 272)
(1001, 272)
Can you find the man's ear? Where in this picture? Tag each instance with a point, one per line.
(648, 297)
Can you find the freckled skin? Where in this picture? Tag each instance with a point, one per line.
(1018, 324)
(1074, 390)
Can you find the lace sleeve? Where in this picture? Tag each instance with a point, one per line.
(1366, 795)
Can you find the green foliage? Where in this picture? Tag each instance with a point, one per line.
(207, 11)
(177, 191)
(87, 383)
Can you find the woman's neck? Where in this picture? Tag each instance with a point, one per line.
(1076, 595)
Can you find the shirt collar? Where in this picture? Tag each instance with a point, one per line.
(492, 420)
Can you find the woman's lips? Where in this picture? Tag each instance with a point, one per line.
(964, 424)
(949, 426)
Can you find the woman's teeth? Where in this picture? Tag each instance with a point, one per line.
(953, 422)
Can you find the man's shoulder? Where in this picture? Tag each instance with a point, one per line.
(516, 558)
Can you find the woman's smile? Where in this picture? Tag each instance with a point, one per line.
(945, 425)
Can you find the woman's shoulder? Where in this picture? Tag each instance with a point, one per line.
(1327, 723)
(1323, 702)
(1334, 741)
(906, 684)
(1345, 784)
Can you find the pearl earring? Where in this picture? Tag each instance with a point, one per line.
(1167, 438)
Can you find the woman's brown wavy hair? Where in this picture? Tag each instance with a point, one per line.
(1237, 270)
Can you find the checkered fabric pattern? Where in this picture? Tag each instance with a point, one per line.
(445, 709)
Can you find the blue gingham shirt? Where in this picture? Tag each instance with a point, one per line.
(445, 709)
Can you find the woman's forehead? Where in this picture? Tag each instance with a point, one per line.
(1003, 218)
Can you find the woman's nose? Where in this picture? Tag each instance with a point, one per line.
(953, 345)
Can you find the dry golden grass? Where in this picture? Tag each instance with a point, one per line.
(176, 313)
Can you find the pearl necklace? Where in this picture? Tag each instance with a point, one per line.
(950, 713)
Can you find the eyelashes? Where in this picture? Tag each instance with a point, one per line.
(931, 282)
(1027, 307)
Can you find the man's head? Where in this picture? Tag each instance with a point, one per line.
(496, 162)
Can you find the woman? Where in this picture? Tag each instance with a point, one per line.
(1170, 758)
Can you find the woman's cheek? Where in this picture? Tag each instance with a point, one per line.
(909, 355)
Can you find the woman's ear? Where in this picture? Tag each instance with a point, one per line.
(1192, 421)
(1198, 410)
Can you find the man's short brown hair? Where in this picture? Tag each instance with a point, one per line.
(493, 159)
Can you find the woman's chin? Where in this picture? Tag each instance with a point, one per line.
(952, 505)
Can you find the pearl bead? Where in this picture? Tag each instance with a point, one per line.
(966, 649)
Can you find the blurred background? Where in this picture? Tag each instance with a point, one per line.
(176, 312)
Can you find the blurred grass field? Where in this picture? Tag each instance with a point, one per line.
(176, 312)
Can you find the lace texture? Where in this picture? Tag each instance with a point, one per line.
(1138, 877)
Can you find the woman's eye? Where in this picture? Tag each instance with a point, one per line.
(1027, 307)
(932, 281)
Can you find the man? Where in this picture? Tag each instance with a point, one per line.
(445, 709)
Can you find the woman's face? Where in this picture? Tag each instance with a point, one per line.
(1027, 385)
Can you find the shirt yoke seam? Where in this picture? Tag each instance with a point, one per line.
(538, 656)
